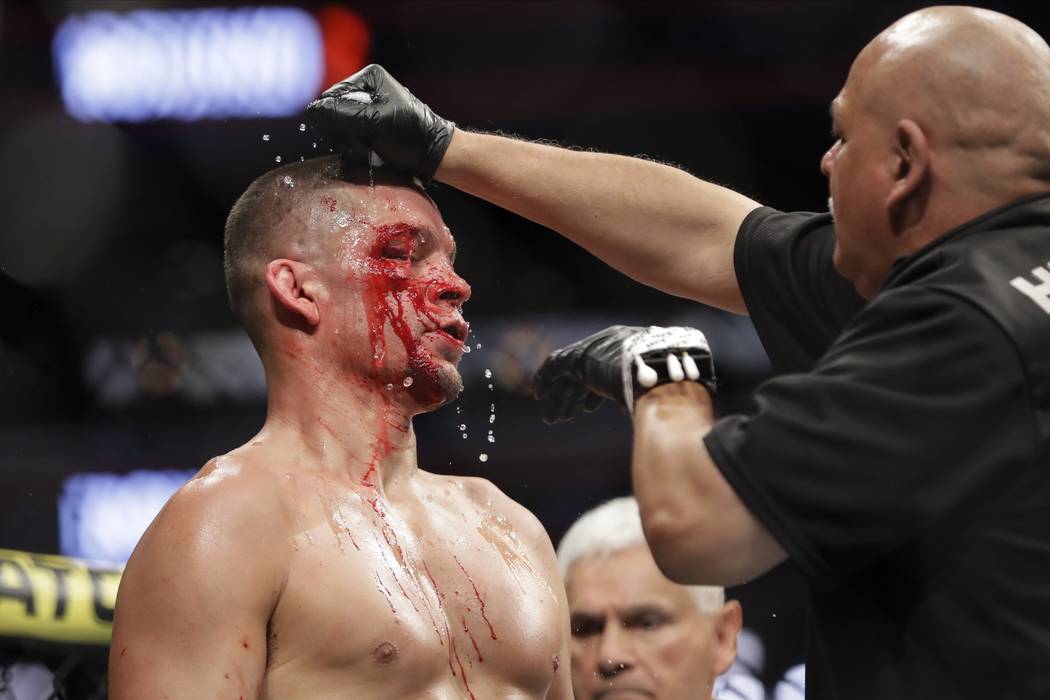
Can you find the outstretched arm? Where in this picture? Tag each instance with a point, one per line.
(657, 224)
(195, 599)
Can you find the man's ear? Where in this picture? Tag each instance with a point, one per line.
(294, 292)
(906, 200)
(727, 627)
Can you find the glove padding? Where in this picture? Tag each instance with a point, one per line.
(620, 363)
(372, 111)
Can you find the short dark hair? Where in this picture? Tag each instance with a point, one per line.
(268, 206)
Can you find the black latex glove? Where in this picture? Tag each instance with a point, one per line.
(401, 130)
(619, 363)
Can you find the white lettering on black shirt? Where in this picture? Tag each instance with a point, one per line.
(1040, 292)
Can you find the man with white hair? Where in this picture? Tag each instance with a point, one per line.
(634, 632)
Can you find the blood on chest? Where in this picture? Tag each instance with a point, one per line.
(436, 600)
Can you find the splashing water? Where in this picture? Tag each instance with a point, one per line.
(266, 137)
(483, 457)
(372, 186)
(407, 382)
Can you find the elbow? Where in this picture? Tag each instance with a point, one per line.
(668, 541)
(685, 550)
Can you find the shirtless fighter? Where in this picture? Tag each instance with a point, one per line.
(319, 561)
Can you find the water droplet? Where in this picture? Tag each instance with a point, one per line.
(483, 457)
(459, 409)
(492, 407)
(289, 181)
(488, 374)
(492, 418)
(479, 346)
(389, 387)
(492, 438)
(277, 159)
(301, 159)
(490, 387)
(302, 127)
(462, 426)
(313, 145)
(466, 349)
(266, 137)
(464, 436)
(407, 382)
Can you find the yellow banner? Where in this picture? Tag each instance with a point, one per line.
(56, 599)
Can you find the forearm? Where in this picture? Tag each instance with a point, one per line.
(669, 425)
(697, 527)
(657, 224)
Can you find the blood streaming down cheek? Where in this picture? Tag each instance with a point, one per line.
(389, 284)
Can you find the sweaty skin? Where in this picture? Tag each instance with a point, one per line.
(318, 561)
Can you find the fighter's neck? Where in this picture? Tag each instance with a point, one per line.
(357, 428)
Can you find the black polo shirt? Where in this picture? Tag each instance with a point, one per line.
(907, 470)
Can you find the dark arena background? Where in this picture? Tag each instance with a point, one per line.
(128, 130)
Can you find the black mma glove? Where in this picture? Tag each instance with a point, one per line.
(372, 111)
(620, 363)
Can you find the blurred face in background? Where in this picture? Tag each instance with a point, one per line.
(636, 634)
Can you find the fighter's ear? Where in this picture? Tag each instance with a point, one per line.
(294, 291)
(906, 200)
(727, 627)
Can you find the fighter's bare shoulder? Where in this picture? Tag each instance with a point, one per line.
(225, 511)
(487, 497)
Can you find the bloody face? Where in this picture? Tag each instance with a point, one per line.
(396, 300)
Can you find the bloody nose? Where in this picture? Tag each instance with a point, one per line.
(452, 290)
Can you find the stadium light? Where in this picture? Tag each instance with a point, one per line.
(209, 63)
(102, 516)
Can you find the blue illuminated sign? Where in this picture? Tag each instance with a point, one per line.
(102, 516)
(188, 64)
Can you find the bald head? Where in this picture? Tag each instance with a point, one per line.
(976, 82)
(277, 216)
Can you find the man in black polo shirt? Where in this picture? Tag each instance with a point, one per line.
(902, 458)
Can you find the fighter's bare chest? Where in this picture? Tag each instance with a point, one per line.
(450, 594)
